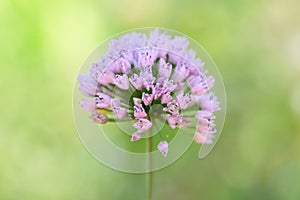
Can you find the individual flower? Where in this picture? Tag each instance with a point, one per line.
(143, 125)
(139, 111)
(102, 100)
(184, 100)
(154, 69)
(104, 77)
(88, 104)
(119, 111)
(181, 70)
(165, 70)
(87, 85)
(135, 136)
(147, 98)
(174, 120)
(172, 107)
(121, 81)
(136, 81)
(200, 85)
(166, 97)
(100, 118)
(208, 102)
(203, 139)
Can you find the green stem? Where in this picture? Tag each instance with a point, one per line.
(149, 185)
(118, 120)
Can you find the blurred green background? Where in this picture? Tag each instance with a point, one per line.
(255, 44)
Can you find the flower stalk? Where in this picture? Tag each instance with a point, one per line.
(150, 173)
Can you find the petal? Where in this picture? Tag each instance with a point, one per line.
(135, 136)
(163, 147)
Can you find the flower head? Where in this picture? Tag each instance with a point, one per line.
(154, 69)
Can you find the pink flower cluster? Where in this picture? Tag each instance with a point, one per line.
(160, 69)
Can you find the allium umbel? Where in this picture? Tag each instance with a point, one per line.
(155, 69)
